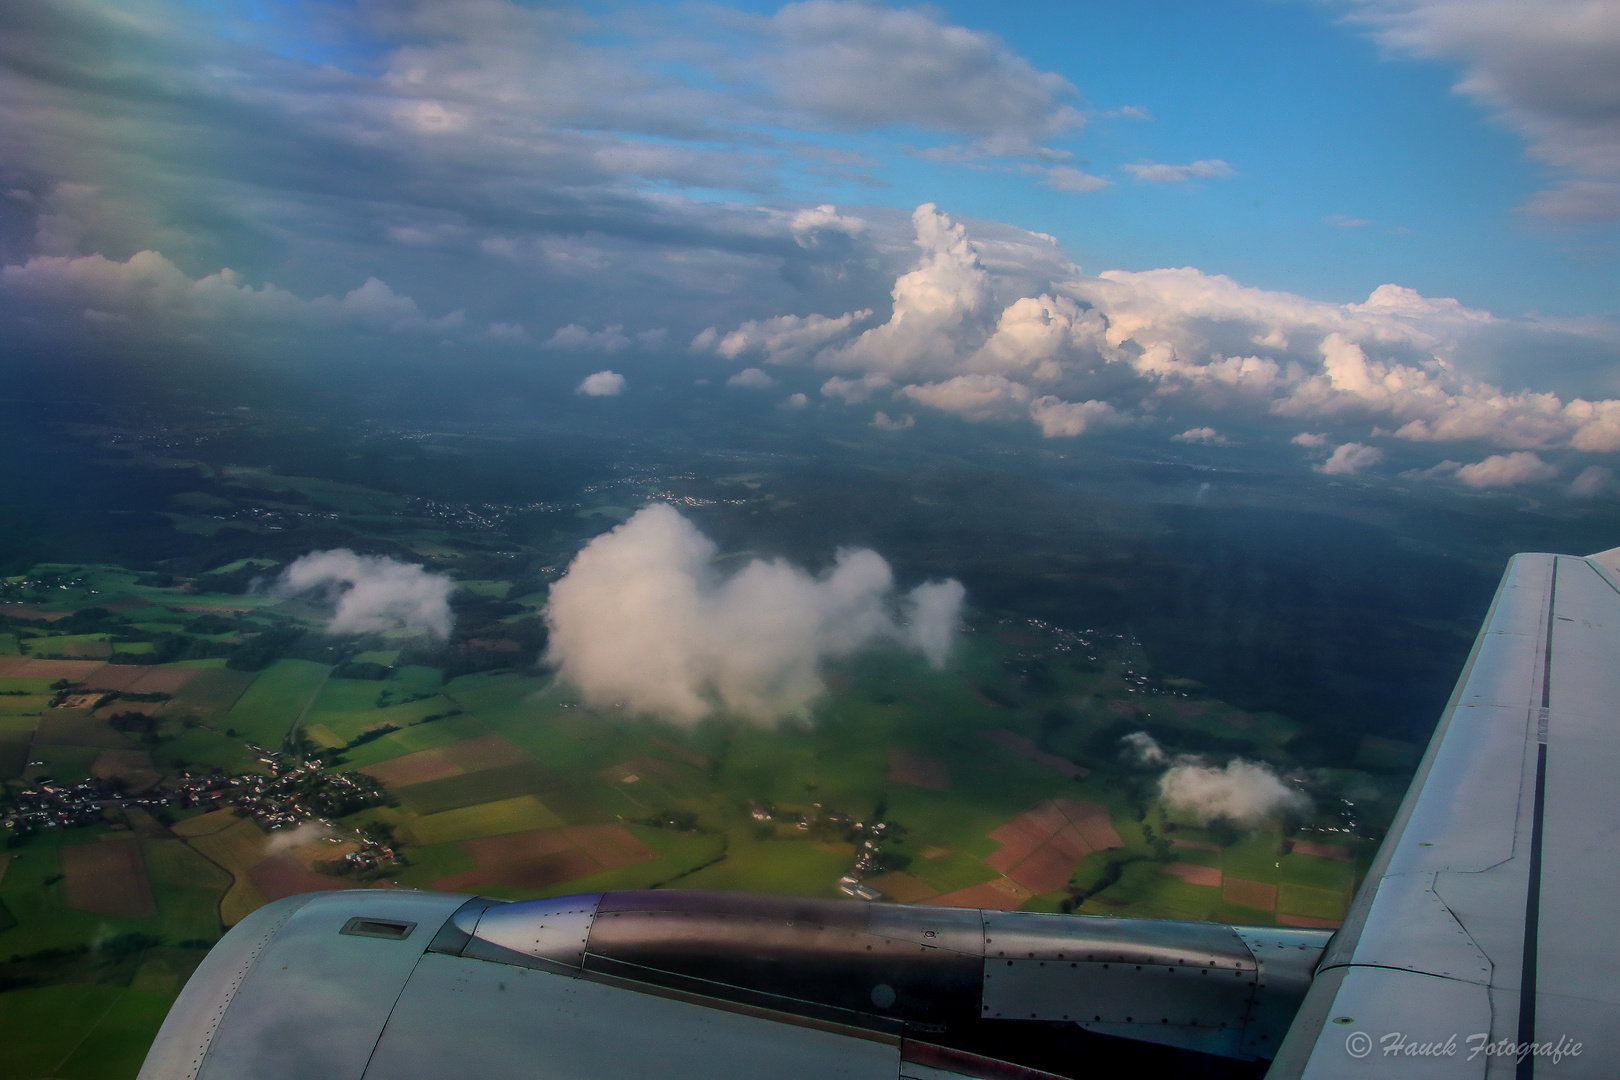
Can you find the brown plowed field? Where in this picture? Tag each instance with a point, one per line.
(413, 768)
(1308, 923)
(1041, 848)
(1321, 851)
(1195, 875)
(108, 878)
(484, 752)
(114, 677)
(1003, 895)
(541, 858)
(282, 875)
(163, 679)
(134, 767)
(1251, 894)
(23, 667)
(919, 770)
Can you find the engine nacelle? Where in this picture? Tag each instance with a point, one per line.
(397, 985)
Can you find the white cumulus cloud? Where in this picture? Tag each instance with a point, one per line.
(609, 339)
(601, 384)
(1506, 470)
(644, 617)
(1056, 417)
(1351, 458)
(998, 327)
(149, 294)
(751, 379)
(372, 593)
(1244, 792)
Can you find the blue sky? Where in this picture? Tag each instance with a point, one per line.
(1372, 232)
(1355, 164)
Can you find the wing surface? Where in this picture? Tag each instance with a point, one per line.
(1488, 922)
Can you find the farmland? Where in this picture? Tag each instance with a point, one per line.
(997, 782)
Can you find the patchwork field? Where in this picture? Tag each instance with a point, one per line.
(268, 708)
(993, 789)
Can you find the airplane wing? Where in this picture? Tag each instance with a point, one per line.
(1483, 942)
(1485, 915)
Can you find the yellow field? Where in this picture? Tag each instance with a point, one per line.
(204, 824)
(1305, 900)
(236, 847)
(486, 819)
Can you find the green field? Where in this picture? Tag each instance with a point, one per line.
(485, 819)
(772, 866)
(686, 792)
(266, 711)
(347, 708)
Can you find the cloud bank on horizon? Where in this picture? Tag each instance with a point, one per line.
(644, 618)
(483, 178)
(1123, 347)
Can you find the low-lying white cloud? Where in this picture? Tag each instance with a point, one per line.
(1205, 436)
(1351, 458)
(609, 339)
(601, 384)
(1145, 749)
(372, 593)
(644, 617)
(307, 832)
(1506, 470)
(149, 295)
(783, 339)
(752, 379)
(1242, 792)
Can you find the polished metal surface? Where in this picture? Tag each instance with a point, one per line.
(1182, 984)
(941, 974)
(181, 1043)
(291, 996)
(440, 985)
(461, 1018)
(1286, 960)
(1198, 986)
(1502, 869)
(1026, 935)
(546, 934)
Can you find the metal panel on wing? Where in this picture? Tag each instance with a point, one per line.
(462, 1017)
